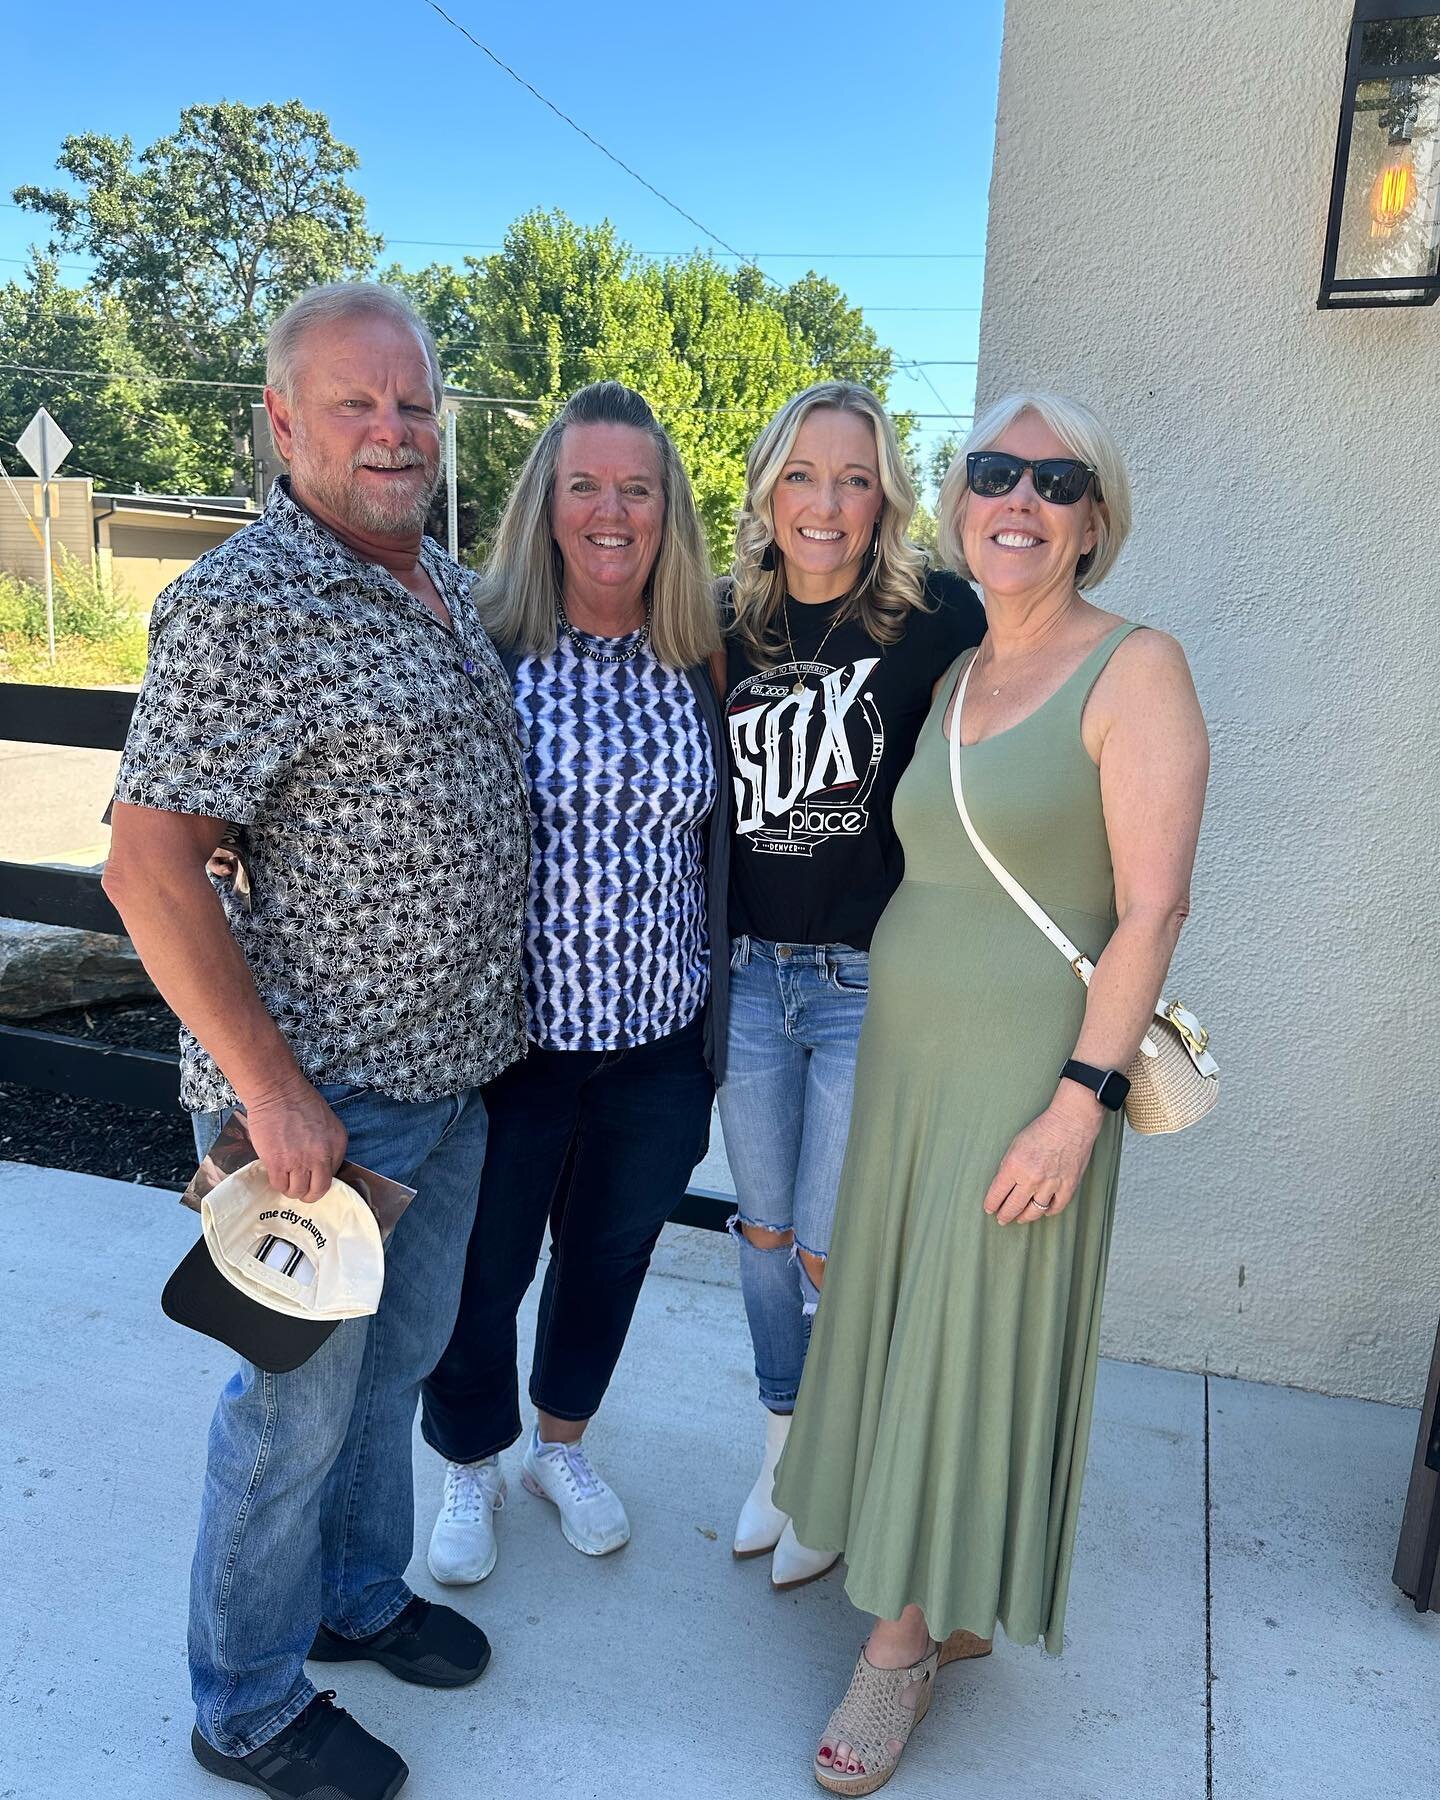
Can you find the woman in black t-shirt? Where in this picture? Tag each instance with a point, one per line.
(838, 635)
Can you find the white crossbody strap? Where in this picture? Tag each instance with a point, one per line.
(1031, 907)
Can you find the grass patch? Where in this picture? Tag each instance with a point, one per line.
(78, 663)
(99, 638)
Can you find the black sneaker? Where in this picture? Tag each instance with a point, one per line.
(321, 1755)
(432, 1645)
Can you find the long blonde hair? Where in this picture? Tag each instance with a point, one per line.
(520, 588)
(1085, 438)
(894, 579)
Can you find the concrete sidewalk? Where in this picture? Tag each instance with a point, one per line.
(670, 1670)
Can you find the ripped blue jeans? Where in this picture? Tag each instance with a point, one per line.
(795, 1017)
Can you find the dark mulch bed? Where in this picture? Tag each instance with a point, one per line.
(91, 1136)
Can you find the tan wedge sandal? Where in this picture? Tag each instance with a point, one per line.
(962, 1644)
(881, 1709)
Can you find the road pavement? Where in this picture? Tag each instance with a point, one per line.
(51, 799)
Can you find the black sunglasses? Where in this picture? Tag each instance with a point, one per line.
(1059, 480)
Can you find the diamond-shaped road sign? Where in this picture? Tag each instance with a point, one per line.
(43, 445)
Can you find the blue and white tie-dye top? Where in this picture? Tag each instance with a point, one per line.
(622, 778)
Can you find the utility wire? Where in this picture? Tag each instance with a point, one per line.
(664, 255)
(634, 174)
(505, 402)
(35, 530)
(754, 255)
(924, 376)
(855, 306)
(695, 353)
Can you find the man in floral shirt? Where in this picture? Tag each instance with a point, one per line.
(320, 692)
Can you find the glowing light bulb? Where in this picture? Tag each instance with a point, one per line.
(1391, 198)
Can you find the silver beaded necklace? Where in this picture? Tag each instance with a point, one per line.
(588, 650)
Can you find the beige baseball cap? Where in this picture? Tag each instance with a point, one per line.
(317, 1260)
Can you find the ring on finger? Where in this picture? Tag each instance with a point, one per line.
(1042, 1205)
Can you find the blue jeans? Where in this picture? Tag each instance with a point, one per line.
(795, 1017)
(308, 1508)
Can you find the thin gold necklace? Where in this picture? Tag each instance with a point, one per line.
(1033, 651)
(799, 687)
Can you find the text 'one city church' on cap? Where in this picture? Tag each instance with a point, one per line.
(272, 1277)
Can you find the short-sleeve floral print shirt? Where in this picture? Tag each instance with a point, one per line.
(369, 759)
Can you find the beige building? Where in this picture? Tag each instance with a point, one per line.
(1158, 213)
(136, 542)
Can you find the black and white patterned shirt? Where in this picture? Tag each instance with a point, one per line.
(622, 780)
(370, 760)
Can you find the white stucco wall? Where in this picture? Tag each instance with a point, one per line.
(1158, 204)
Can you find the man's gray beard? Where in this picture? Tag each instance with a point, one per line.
(340, 493)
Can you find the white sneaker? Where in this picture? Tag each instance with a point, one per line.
(591, 1514)
(462, 1545)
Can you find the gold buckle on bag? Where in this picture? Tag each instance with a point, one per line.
(1196, 1038)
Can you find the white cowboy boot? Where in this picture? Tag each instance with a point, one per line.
(761, 1522)
(794, 1564)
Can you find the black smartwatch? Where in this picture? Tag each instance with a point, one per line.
(1108, 1086)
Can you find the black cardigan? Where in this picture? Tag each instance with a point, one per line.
(717, 864)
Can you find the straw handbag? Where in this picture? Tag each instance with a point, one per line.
(1174, 1079)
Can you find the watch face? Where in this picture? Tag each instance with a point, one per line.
(1113, 1090)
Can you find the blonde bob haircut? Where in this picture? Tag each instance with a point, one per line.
(520, 589)
(1085, 438)
(894, 579)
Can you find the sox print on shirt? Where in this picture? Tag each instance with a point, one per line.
(805, 762)
(814, 857)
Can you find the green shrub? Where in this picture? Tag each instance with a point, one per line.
(85, 607)
(99, 635)
(22, 607)
(77, 663)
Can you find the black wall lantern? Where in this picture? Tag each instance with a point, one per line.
(1382, 247)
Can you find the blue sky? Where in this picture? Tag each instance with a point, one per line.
(820, 132)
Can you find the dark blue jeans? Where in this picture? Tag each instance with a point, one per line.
(601, 1143)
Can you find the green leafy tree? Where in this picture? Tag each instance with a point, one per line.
(123, 432)
(715, 351)
(941, 458)
(207, 233)
(834, 335)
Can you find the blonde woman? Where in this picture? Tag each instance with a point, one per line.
(839, 632)
(598, 595)
(941, 1431)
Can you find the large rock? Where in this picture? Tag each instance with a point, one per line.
(44, 968)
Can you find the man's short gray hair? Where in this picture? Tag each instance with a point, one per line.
(335, 301)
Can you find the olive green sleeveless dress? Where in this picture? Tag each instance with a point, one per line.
(940, 1432)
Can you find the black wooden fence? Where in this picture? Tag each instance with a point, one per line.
(97, 719)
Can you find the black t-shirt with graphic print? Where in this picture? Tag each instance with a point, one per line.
(815, 858)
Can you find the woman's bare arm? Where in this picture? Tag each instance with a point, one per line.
(1144, 727)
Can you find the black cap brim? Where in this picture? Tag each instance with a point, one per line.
(199, 1296)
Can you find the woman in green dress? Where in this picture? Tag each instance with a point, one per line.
(940, 1432)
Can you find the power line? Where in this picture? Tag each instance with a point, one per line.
(74, 268)
(127, 375)
(530, 88)
(924, 376)
(670, 255)
(697, 352)
(855, 305)
(503, 401)
(745, 256)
